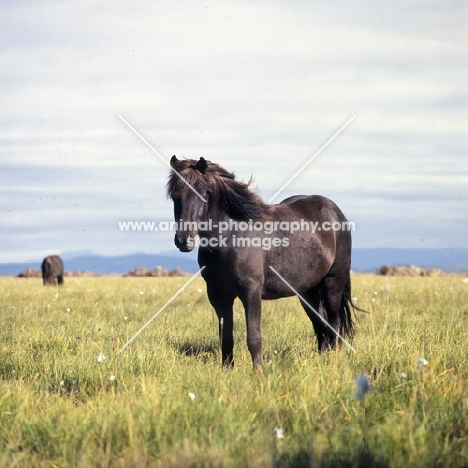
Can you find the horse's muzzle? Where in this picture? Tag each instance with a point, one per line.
(185, 244)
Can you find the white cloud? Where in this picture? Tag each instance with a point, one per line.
(257, 88)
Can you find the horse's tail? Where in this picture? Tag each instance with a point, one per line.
(347, 306)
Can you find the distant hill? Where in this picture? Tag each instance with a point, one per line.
(447, 260)
(112, 265)
(364, 260)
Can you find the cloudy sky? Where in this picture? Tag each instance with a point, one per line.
(257, 87)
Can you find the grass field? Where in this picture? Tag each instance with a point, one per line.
(164, 401)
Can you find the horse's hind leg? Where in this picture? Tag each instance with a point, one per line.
(332, 291)
(223, 305)
(316, 312)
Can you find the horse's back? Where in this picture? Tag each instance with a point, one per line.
(292, 199)
(317, 207)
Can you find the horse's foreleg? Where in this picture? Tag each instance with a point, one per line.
(223, 306)
(226, 336)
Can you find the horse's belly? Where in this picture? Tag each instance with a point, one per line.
(277, 287)
(284, 279)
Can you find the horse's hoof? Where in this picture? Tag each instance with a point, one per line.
(258, 369)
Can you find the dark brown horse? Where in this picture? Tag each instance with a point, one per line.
(254, 251)
(52, 270)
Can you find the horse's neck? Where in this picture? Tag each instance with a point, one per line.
(217, 216)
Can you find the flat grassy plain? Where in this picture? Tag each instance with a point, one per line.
(68, 399)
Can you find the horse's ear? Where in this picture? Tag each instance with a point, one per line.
(201, 165)
(174, 160)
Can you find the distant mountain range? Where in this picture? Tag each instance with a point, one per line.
(364, 260)
(447, 260)
(111, 265)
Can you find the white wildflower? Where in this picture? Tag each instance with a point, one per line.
(191, 395)
(421, 363)
(402, 375)
(112, 378)
(68, 309)
(279, 432)
(101, 357)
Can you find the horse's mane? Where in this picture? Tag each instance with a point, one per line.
(228, 195)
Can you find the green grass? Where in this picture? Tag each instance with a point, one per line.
(171, 404)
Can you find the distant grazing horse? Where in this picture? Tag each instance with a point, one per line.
(52, 270)
(249, 261)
